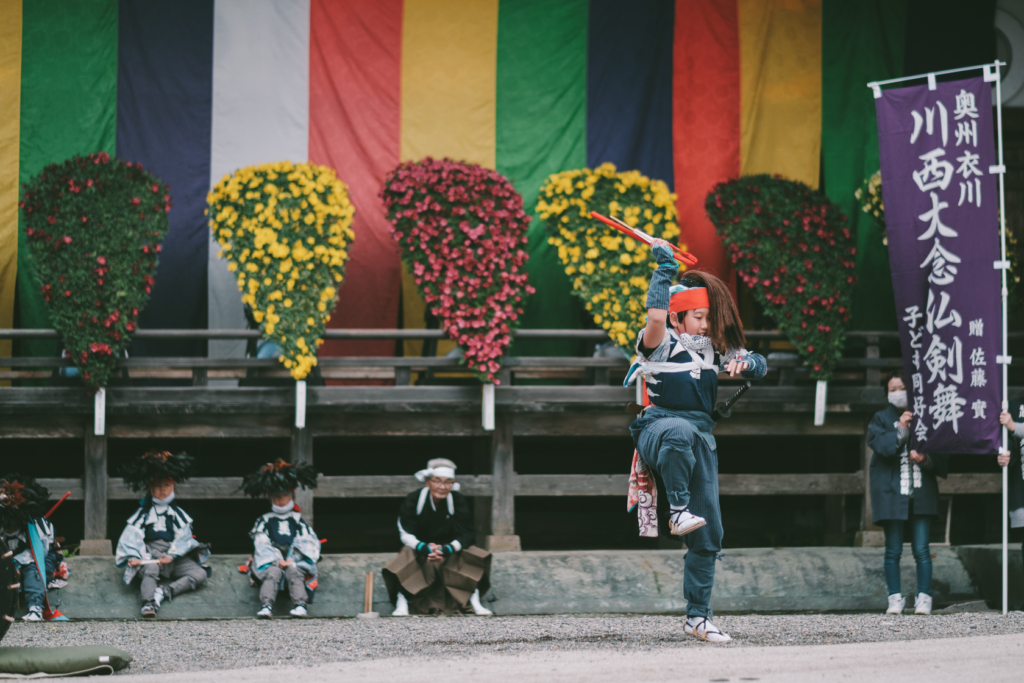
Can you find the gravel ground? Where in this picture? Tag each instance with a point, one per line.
(171, 646)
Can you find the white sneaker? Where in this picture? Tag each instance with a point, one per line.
(896, 604)
(401, 607)
(34, 614)
(266, 612)
(701, 627)
(158, 596)
(682, 522)
(479, 609)
(923, 604)
(299, 611)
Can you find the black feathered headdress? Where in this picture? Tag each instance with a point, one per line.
(156, 465)
(278, 477)
(21, 500)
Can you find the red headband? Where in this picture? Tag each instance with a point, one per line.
(688, 300)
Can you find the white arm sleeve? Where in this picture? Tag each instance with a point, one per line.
(407, 538)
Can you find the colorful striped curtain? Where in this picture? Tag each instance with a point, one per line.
(692, 92)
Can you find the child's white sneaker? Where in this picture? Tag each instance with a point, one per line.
(34, 614)
(299, 611)
(701, 627)
(478, 609)
(682, 521)
(896, 604)
(266, 612)
(401, 607)
(923, 604)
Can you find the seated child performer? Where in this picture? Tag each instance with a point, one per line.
(285, 547)
(29, 537)
(439, 571)
(157, 542)
(693, 331)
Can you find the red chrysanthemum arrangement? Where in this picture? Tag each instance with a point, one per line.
(792, 247)
(94, 226)
(461, 228)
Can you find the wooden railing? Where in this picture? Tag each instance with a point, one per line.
(589, 402)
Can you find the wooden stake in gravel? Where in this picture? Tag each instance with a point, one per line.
(368, 599)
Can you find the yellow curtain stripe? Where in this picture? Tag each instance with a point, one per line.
(780, 88)
(449, 80)
(10, 135)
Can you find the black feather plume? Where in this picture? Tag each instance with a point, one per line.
(278, 477)
(156, 465)
(21, 499)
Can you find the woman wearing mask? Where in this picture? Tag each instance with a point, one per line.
(903, 487)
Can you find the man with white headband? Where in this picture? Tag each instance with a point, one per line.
(439, 570)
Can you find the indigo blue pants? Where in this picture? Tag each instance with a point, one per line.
(33, 585)
(689, 470)
(920, 526)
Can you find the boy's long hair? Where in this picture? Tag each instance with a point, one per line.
(724, 327)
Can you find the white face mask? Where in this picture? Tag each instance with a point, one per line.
(898, 398)
(163, 501)
(281, 509)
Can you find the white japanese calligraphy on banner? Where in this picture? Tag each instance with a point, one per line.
(936, 147)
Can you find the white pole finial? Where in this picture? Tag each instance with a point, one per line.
(99, 424)
(820, 394)
(300, 404)
(487, 407)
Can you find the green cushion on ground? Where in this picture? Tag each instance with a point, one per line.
(61, 661)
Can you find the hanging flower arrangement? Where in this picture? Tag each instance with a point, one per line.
(869, 194)
(285, 230)
(461, 228)
(609, 271)
(94, 227)
(793, 248)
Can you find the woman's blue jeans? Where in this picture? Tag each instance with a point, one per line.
(920, 526)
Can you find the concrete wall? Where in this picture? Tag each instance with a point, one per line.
(748, 580)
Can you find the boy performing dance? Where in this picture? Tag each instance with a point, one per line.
(286, 549)
(693, 330)
(157, 541)
(28, 536)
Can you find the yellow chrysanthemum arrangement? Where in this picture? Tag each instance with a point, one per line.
(869, 194)
(609, 271)
(285, 230)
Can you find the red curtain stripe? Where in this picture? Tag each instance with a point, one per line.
(354, 116)
(706, 121)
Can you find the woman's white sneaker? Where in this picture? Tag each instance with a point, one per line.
(682, 522)
(401, 607)
(923, 604)
(701, 627)
(896, 604)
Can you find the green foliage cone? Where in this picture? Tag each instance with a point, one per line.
(94, 225)
(792, 247)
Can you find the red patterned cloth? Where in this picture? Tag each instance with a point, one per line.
(643, 495)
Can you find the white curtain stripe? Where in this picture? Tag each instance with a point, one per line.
(260, 115)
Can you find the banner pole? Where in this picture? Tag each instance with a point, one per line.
(1006, 353)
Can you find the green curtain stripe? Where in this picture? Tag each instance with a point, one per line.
(540, 130)
(862, 41)
(68, 107)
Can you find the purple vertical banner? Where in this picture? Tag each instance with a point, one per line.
(941, 204)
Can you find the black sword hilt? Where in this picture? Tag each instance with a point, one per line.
(724, 409)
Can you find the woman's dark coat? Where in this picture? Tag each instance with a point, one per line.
(887, 502)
